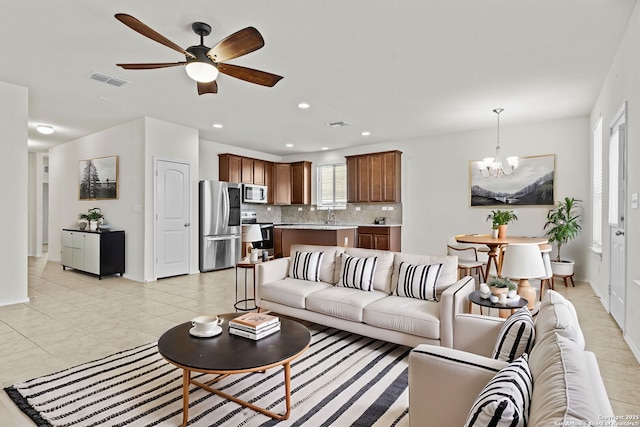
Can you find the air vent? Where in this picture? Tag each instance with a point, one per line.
(339, 124)
(110, 80)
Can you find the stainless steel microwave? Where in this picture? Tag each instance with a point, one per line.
(254, 193)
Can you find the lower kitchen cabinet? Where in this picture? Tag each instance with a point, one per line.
(383, 238)
(99, 253)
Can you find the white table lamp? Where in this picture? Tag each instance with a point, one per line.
(523, 261)
(251, 233)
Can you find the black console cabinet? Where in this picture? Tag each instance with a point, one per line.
(97, 252)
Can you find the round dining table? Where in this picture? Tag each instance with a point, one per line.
(495, 245)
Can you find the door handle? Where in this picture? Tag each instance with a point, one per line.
(187, 224)
(619, 233)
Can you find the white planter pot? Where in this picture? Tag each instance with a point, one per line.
(562, 268)
(93, 225)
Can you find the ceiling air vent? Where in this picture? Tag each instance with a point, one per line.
(340, 124)
(105, 78)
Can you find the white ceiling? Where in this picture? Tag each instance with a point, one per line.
(399, 69)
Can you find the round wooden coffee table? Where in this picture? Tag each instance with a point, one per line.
(227, 354)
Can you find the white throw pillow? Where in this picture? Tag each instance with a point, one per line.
(505, 400)
(306, 266)
(418, 281)
(357, 273)
(516, 336)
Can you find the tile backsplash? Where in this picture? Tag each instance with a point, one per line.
(359, 214)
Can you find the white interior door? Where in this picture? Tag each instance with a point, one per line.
(617, 203)
(173, 218)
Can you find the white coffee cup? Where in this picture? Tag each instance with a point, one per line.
(206, 324)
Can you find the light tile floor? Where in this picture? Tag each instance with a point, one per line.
(74, 318)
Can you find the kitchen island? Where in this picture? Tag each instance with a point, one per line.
(311, 234)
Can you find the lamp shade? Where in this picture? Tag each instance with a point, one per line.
(522, 261)
(251, 233)
(201, 71)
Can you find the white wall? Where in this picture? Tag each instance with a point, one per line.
(622, 83)
(13, 176)
(435, 181)
(125, 141)
(36, 203)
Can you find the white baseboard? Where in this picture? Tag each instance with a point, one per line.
(632, 347)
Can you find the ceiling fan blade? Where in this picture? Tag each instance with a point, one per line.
(150, 66)
(211, 87)
(147, 31)
(249, 74)
(237, 44)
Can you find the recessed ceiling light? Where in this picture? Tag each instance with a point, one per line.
(289, 145)
(303, 105)
(217, 125)
(45, 129)
(366, 133)
(325, 148)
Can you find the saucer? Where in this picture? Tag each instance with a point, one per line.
(215, 332)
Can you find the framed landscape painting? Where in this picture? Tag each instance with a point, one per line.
(98, 178)
(531, 184)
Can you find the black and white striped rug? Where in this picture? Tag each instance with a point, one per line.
(343, 379)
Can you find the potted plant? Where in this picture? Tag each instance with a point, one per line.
(501, 285)
(499, 221)
(561, 227)
(93, 217)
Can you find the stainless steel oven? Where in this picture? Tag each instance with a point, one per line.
(265, 227)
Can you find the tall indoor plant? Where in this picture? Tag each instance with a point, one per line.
(499, 221)
(562, 226)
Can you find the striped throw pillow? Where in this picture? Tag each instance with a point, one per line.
(505, 400)
(418, 281)
(516, 336)
(306, 266)
(357, 273)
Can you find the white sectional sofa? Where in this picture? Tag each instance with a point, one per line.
(377, 313)
(565, 383)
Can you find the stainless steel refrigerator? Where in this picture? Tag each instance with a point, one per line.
(220, 225)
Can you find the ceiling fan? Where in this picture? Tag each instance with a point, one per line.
(203, 63)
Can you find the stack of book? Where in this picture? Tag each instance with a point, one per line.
(254, 325)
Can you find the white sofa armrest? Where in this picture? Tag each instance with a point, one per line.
(476, 334)
(270, 271)
(453, 301)
(444, 383)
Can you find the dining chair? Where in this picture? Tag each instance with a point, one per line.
(467, 261)
(548, 276)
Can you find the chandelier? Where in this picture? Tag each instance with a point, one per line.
(492, 166)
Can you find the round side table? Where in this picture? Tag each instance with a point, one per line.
(505, 310)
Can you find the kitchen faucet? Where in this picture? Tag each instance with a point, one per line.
(331, 217)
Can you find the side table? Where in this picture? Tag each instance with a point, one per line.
(243, 304)
(504, 310)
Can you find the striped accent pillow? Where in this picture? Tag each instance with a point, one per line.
(516, 336)
(505, 400)
(418, 281)
(306, 266)
(357, 273)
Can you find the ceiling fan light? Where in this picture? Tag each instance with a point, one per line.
(201, 71)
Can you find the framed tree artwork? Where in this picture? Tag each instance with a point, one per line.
(530, 184)
(98, 178)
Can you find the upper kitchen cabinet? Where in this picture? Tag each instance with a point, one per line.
(268, 181)
(247, 171)
(301, 183)
(282, 183)
(374, 177)
(258, 172)
(230, 168)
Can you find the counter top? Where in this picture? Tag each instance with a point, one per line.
(332, 226)
(316, 226)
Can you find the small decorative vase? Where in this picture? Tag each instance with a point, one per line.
(93, 225)
(82, 225)
(512, 293)
(499, 291)
(502, 299)
(502, 231)
(494, 233)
